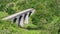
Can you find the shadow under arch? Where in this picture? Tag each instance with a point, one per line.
(59, 31)
(14, 20)
(19, 21)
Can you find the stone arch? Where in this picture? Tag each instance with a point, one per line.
(14, 19)
(30, 13)
(25, 16)
(59, 31)
(19, 20)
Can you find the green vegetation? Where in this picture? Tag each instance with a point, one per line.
(45, 20)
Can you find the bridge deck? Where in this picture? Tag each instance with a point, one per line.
(19, 13)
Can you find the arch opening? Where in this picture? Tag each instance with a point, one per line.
(59, 31)
(14, 20)
(30, 13)
(25, 16)
(19, 20)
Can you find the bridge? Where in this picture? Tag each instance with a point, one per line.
(21, 17)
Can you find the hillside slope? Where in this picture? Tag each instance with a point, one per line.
(45, 20)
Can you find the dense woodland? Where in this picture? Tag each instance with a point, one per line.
(45, 20)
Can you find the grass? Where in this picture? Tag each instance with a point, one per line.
(7, 27)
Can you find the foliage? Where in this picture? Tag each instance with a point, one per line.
(46, 17)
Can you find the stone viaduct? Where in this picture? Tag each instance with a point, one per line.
(21, 17)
